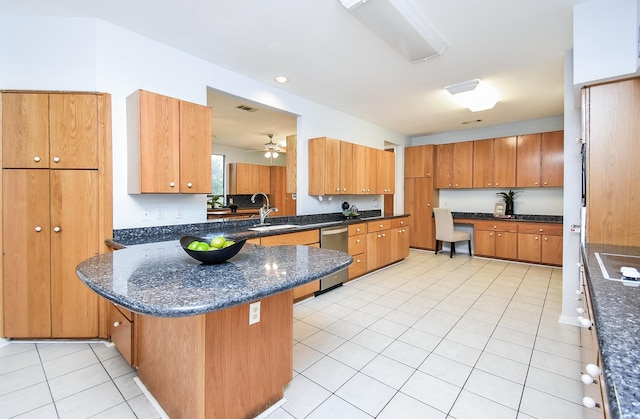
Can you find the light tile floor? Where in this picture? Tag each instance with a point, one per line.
(431, 337)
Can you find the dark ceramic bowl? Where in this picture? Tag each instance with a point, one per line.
(211, 257)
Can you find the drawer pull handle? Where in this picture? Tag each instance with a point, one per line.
(116, 324)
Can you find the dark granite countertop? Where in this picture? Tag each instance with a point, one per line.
(160, 279)
(532, 218)
(238, 229)
(617, 323)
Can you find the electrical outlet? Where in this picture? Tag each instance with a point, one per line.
(147, 214)
(160, 213)
(254, 312)
(179, 212)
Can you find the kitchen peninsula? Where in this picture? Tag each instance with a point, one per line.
(197, 352)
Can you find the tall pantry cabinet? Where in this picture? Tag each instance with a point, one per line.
(56, 211)
(420, 194)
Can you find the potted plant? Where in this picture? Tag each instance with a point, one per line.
(508, 198)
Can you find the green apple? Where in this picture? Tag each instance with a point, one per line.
(193, 245)
(217, 242)
(202, 246)
(229, 243)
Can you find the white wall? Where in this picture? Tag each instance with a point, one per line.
(538, 201)
(88, 54)
(605, 40)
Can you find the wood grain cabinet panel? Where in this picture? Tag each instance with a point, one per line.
(540, 160)
(419, 161)
(419, 194)
(454, 165)
(504, 162)
(528, 157)
(169, 145)
(247, 179)
(386, 172)
(483, 163)
(552, 159)
(292, 164)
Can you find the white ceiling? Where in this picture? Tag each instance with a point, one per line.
(515, 46)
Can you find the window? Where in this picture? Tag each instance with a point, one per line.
(217, 174)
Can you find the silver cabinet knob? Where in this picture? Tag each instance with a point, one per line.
(56, 159)
(589, 403)
(56, 229)
(172, 184)
(38, 229)
(36, 159)
(189, 184)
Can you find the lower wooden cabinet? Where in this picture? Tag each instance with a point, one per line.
(540, 243)
(121, 331)
(387, 242)
(496, 239)
(358, 249)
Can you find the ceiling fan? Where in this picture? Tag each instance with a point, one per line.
(271, 149)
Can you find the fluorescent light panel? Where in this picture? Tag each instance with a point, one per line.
(401, 25)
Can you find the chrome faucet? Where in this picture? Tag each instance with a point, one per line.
(264, 209)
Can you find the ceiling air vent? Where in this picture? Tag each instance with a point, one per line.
(246, 108)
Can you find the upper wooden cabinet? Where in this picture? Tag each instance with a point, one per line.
(169, 145)
(55, 130)
(292, 164)
(386, 172)
(494, 163)
(419, 161)
(324, 166)
(279, 198)
(365, 163)
(454, 163)
(247, 179)
(540, 159)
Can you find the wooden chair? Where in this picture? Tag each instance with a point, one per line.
(445, 231)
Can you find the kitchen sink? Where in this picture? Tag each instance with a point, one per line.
(273, 227)
(611, 265)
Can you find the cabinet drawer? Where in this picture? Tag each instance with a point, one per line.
(400, 222)
(373, 226)
(357, 244)
(121, 332)
(301, 237)
(357, 229)
(538, 228)
(496, 225)
(359, 266)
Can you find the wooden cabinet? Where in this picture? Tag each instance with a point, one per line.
(247, 179)
(330, 166)
(611, 131)
(454, 165)
(540, 243)
(52, 219)
(358, 249)
(121, 331)
(386, 172)
(496, 239)
(292, 164)
(364, 170)
(540, 160)
(399, 238)
(169, 145)
(278, 197)
(494, 163)
(56, 130)
(419, 161)
(419, 196)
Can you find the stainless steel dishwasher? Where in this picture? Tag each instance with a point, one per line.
(334, 238)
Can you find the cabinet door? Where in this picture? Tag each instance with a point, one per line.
(324, 166)
(292, 164)
(399, 244)
(529, 247)
(506, 245)
(444, 166)
(264, 179)
(504, 162)
(484, 243)
(386, 172)
(528, 161)
(26, 259)
(195, 143)
(346, 167)
(278, 197)
(419, 161)
(418, 196)
(25, 130)
(74, 238)
(551, 252)
(552, 164)
(159, 143)
(332, 166)
(483, 164)
(463, 164)
(73, 132)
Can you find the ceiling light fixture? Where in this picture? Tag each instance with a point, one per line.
(401, 24)
(272, 149)
(473, 95)
(281, 79)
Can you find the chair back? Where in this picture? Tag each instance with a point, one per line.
(444, 224)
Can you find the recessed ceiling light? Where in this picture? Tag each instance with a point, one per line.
(281, 79)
